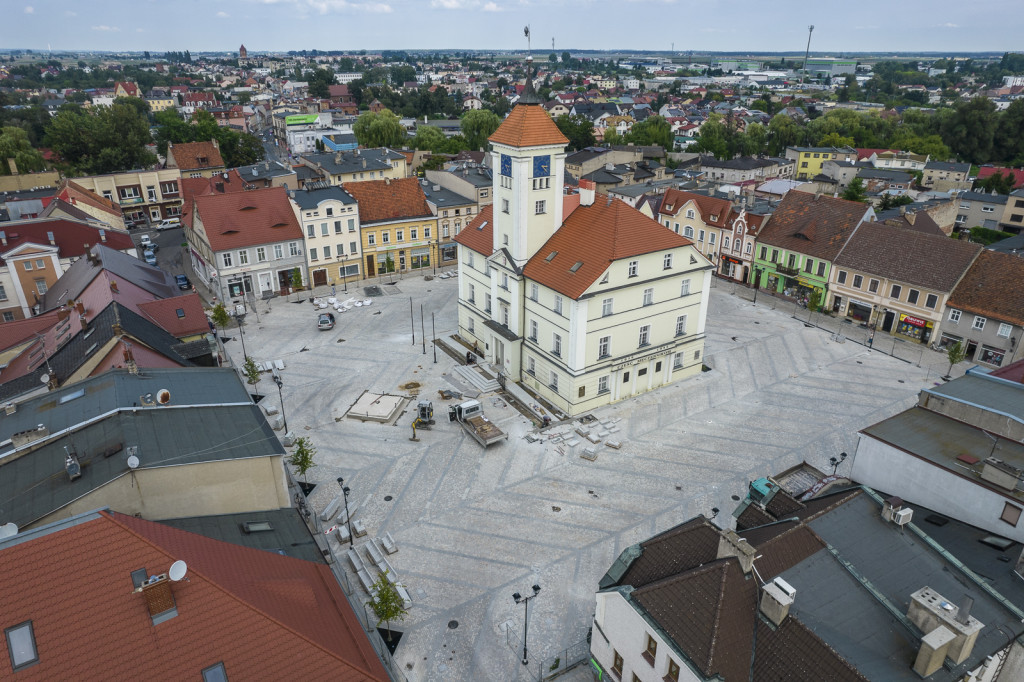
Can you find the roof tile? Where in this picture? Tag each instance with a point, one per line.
(528, 126)
(384, 200)
(992, 288)
(240, 219)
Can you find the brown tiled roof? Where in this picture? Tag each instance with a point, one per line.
(528, 126)
(74, 238)
(907, 256)
(785, 549)
(922, 223)
(240, 219)
(164, 312)
(479, 234)
(674, 551)
(816, 226)
(194, 187)
(793, 653)
(709, 612)
(713, 211)
(752, 517)
(74, 193)
(196, 155)
(993, 287)
(782, 504)
(596, 235)
(383, 200)
(265, 616)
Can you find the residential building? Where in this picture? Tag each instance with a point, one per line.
(984, 172)
(358, 165)
(840, 171)
(980, 209)
(452, 211)
(468, 180)
(746, 168)
(582, 299)
(837, 586)
(330, 219)
(944, 176)
(957, 450)
(265, 174)
(1013, 214)
(74, 201)
(278, 617)
(894, 159)
(795, 250)
(195, 159)
(985, 312)
(144, 196)
(809, 160)
(398, 227)
(897, 280)
(246, 244)
(126, 89)
(877, 181)
(586, 161)
(35, 253)
(697, 217)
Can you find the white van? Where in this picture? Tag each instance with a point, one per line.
(168, 224)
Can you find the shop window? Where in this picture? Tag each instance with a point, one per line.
(912, 296)
(1011, 514)
(991, 356)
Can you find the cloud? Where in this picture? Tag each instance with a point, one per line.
(69, 13)
(333, 6)
(223, 15)
(491, 7)
(948, 24)
(29, 9)
(104, 27)
(451, 4)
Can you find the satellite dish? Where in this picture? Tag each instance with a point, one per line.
(177, 570)
(133, 462)
(8, 530)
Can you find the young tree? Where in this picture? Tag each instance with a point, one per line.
(855, 191)
(955, 354)
(296, 279)
(252, 373)
(220, 317)
(302, 457)
(386, 602)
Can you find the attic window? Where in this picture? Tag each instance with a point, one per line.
(714, 218)
(551, 257)
(256, 527)
(21, 645)
(693, 261)
(71, 396)
(482, 225)
(576, 267)
(180, 312)
(139, 576)
(247, 208)
(215, 673)
(668, 207)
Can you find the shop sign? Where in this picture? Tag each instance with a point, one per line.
(730, 259)
(917, 322)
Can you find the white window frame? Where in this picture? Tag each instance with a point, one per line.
(684, 289)
(681, 325)
(607, 306)
(645, 336)
(667, 262)
(1004, 330)
(634, 268)
(954, 315)
(649, 296)
(979, 323)
(604, 347)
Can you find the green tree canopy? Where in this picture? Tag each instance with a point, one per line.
(479, 125)
(755, 139)
(14, 144)
(782, 132)
(429, 138)
(654, 130)
(379, 130)
(579, 130)
(970, 130)
(855, 191)
(998, 182)
(112, 139)
(712, 139)
(319, 81)
(237, 149)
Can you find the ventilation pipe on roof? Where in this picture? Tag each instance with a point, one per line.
(776, 598)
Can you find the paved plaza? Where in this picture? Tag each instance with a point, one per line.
(474, 526)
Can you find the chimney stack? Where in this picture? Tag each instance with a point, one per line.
(157, 592)
(951, 631)
(588, 189)
(776, 598)
(731, 544)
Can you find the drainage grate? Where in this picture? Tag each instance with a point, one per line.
(388, 498)
(452, 624)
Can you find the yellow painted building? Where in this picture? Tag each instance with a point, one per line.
(398, 229)
(809, 160)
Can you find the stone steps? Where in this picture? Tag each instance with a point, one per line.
(476, 380)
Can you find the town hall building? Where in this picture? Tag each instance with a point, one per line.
(581, 298)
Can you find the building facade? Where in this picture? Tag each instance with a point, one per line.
(330, 221)
(145, 197)
(397, 226)
(985, 312)
(809, 160)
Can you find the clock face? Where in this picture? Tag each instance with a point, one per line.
(506, 165)
(541, 166)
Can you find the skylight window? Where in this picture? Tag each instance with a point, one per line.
(215, 673)
(551, 256)
(576, 267)
(21, 645)
(180, 312)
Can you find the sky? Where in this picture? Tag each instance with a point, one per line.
(715, 25)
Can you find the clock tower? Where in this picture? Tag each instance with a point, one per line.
(528, 155)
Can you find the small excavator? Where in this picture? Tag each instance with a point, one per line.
(424, 417)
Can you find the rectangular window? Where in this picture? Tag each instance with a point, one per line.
(930, 301)
(426, 232)
(1011, 514)
(371, 239)
(554, 382)
(602, 384)
(556, 345)
(534, 292)
(352, 247)
(399, 235)
(634, 267)
(792, 261)
(330, 211)
(504, 281)
(700, 236)
(651, 652)
(681, 325)
(604, 347)
(28, 265)
(1004, 330)
(645, 335)
(40, 263)
(41, 287)
(673, 671)
(327, 251)
(261, 254)
(821, 268)
(385, 237)
(531, 366)
(21, 645)
(711, 238)
(472, 294)
(215, 673)
(225, 259)
(558, 305)
(857, 281)
(677, 361)
(895, 292)
(311, 231)
(324, 229)
(243, 257)
(3, 293)
(873, 286)
(841, 278)
(606, 307)
(413, 232)
(809, 265)
(487, 303)
(648, 296)
(351, 224)
(293, 248)
(539, 207)
(775, 255)
(764, 253)
(685, 289)
(954, 315)
(979, 323)
(913, 296)
(667, 262)
(616, 663)
(312, 254)
(504, 206)
(337, 227)
(533, 330)
(278, 251)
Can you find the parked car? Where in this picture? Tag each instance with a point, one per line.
(325, 321)
(182, 282)
(147, 243)
(150, 257)
(168, 224)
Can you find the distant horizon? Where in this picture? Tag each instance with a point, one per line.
(872, 26)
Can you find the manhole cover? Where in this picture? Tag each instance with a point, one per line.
(452, 624)
(735, 498)
(388, 498)
(373, 291)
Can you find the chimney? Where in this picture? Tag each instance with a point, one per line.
(387, 181)
(911, 217)
(945, 634)
(903, 210)
(158, 595)
(776, 598)
(1000, 473)
(364, 163)
(113, 285)
(731, 544)
(587, 191)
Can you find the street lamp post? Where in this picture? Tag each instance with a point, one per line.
(277, 380)
(348, 517)
(836, 461)
(525, 601)
(757, 284)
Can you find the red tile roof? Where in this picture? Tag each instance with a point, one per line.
(164, 312)
(1017, 173)
(19, 331)
(241, 219)
(713, 211)
(385, 200)
(528, 126)
(193, 187)
(74, 194)
(264, 616)
(814, 225)
(992, 288)
(596, 235)
(73, 237)
(195, 155)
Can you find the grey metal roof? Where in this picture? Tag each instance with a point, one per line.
(983, 197)
(476, 175)
(1014, 244)
(314, 194)
(354, 161)
(265, 169)
(892, 563)
(993, 393)
(443, 198)
(35, 484)
(948, 166)
(289, 534)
